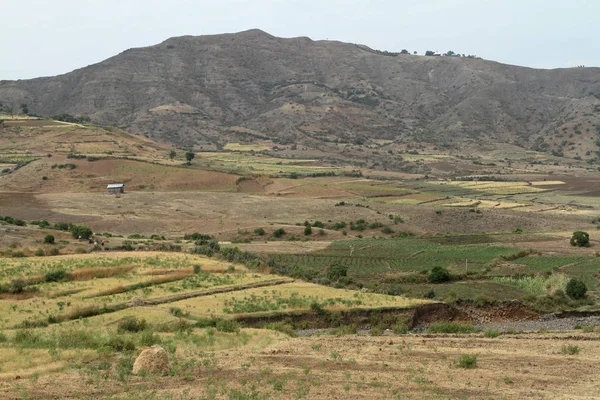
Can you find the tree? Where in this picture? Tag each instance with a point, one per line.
(429, 53)
(189, 156)
(438, 275)
(307, 230)
(404, 51)
(450, 53)
(415, 52)
(580, 239)
(49, 239)
(336, 271)
(81, 232)
(576, 289)
(172, 154)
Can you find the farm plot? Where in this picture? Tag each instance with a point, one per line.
(47, 290)
(245, 147)
(495, 188)
(261, 165)
(367, 259)
(287, 297)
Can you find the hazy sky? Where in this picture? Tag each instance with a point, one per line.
(44, 37)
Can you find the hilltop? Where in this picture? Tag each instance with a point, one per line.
(202, 92)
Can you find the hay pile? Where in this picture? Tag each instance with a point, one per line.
(153, 360)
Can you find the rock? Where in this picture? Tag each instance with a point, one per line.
(153, 360)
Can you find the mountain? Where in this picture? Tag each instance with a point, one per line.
(203, 91)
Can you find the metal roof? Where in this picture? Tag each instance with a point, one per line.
(115, 185)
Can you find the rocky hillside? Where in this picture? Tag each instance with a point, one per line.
(204, 91)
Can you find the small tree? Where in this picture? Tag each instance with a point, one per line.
(438, 275)
(576, 289)
(336, 271)
(189, 156)
(49, 239)
(81, 232)
(580, 239)
(172, 154)
(307, 230)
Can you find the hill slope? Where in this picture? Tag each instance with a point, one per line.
(198, 91)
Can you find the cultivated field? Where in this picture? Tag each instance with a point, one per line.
(284, 273)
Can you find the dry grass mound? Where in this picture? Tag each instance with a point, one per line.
(153, 360)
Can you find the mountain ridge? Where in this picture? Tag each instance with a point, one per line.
(189, 91)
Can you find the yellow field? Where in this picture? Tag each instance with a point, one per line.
(496, 188)
(245, 147)
(305, 294)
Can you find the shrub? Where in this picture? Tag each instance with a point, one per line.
(580, 239)
(438, 274)
(570, 349)
(18, 254)
(57, 275)
(288, 329)
(62, 226)
(49, 239)
(278, 232)
(131, 324)
(336, 271)
(54, 251)
(81, 232)
(197, 268)
(467, 361)
(227, 325)
(17, 286)
(576, 289)
(387, 230)
(491, 333)
(259, 231)
(39, 253)
(318, 224)
(307, 230)
(196, 236)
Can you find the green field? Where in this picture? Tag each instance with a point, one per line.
(477, 266)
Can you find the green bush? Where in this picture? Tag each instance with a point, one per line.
(288, 329)
(576, 289)
(54, 251)
(570, 349)
(336, 271)
(491, 333)
(259, 231)
(39, 253)
(49, 239)
(58, 275)
(438, 274)
(62, 226)
(227, 325)
(278, 232)
(197, 268)
(131, 324)
(81, 232)
(580, 239)
(467, 361)
(307, 230)
(197, 236)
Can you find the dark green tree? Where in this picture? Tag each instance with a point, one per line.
(189, 156)
(172, 154)
(438, 275)
(580, 239)
(576, 289)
